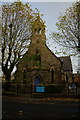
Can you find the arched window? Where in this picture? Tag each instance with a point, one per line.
(39, 30)
(66, 77)
(38, 57)
(24, 76)
(52, 75)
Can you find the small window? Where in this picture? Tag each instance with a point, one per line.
(66, 77)
(24, 76)
(35, 30)
(38, 57)
(39, 30)
(52, 75)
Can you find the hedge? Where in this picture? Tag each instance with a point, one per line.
(54, 88)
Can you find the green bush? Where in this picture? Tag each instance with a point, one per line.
(54, 88)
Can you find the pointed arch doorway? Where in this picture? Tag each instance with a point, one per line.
(36, 80)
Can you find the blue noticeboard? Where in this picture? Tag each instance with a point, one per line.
(40, 89)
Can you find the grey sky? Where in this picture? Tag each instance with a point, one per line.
(51, 11)
(39, 0)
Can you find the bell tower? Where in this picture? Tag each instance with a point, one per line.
(38, 31)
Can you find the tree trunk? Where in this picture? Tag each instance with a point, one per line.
(7, 84)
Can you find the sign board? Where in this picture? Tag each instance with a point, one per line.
(40, 89)
(73, 86)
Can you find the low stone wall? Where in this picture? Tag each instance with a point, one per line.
(21, 88)
(28, 88)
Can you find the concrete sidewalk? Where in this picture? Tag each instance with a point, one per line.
(44, 99)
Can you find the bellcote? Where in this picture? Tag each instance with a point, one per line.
(38, 26)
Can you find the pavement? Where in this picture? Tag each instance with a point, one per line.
(20, 111)
(40, 106)
(43, 99)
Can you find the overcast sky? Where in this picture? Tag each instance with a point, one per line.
(50, 9)
(39, 0)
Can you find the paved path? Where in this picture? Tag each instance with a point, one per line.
(30, 99)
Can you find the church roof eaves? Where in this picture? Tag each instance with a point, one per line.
(53, 53)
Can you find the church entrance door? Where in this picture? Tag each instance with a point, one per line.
(36, 81)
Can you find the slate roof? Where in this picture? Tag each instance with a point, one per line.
(66, 61)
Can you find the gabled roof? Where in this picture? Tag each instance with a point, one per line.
(52, 53)
(66, 61)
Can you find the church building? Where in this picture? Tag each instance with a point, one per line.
(39, 65)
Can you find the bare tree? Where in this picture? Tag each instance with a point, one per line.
(68, 26)
(16, 32)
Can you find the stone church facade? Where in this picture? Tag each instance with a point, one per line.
(39, 65)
